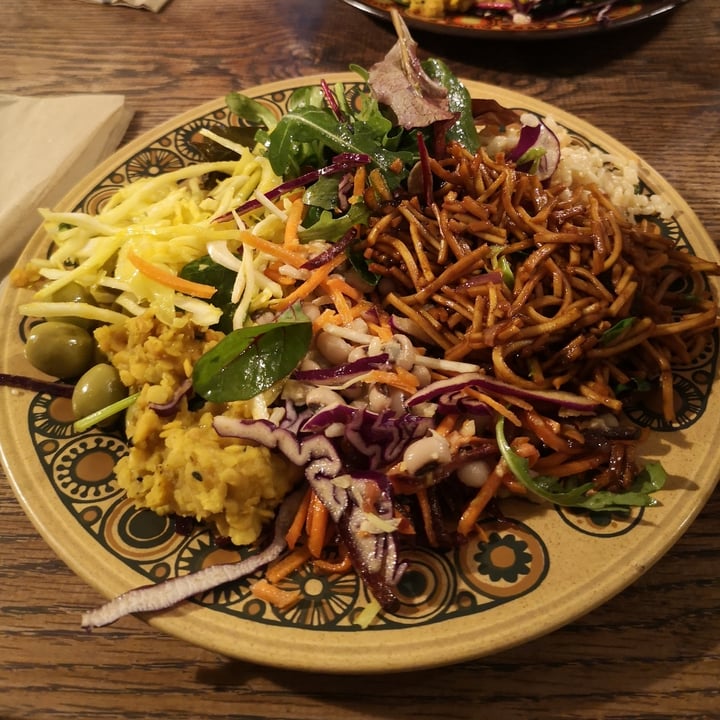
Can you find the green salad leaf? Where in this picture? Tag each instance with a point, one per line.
(613, 333)
(463, 130)
(206, 271)
(250, 110)
(649, 480)
(331, 228)
(302, 136)
(250, 360)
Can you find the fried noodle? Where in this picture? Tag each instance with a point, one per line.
(548, 287)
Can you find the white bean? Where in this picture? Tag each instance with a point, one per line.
(359, 324)
(423, 375)
(406, 356)
(357, 353)
(334, 349)
(426, 451)
(323, 396)
(474, 474)
(312, 311)
(377, 400)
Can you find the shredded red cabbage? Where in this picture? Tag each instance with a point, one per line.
(374, 554)
(315, 453)
(51, 387)
(340, 163)
(171, 406)
(538, 138)
(371, 441)
(150, 598)
(339, 374)
(335, 249)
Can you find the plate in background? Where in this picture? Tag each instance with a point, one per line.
(501, 27)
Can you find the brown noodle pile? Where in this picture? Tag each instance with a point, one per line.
(527, 281)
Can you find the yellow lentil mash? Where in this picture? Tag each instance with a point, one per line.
(179, 464)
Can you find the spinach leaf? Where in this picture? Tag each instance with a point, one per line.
(207, 272)
(323, 193)
(651, 478)
(330, 228)
(359, 263)
(459, 101)
(251, 360)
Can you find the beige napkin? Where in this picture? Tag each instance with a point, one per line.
(154, 5)
(47, 145)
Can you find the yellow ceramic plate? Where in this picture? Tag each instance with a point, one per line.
(531, 577)
(499, 26)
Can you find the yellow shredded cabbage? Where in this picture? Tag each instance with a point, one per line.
(168, 221)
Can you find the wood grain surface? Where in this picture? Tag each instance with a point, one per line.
(651, 652)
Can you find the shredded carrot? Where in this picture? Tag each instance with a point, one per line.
(381, 326)
(361, 308)
(482, 534)
(513, 485)
(447, 424)
(576, 467)
(315, 279)
(283, 567)
(272, 249)
(340, 285)
(281, 599)
(405, 381)
(294, 218)
(331, 317)
(165, 277)
(541, 427)
(316, 526)
(341, 566)
(326, 317)
(479, 502)
(494, 404)
(408, 379)
(384, 332)
(298, 523)
(336, 293)
(359, 183)
(273, 272)
(546, 463)
(396, 475)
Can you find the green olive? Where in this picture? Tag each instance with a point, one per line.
(60, 349)
(76, 293)
(99, 387)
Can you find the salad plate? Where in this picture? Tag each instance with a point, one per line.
(494, 25)
(522, 579)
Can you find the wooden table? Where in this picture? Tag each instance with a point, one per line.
(651, 652)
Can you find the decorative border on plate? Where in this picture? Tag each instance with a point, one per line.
(508, 561)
